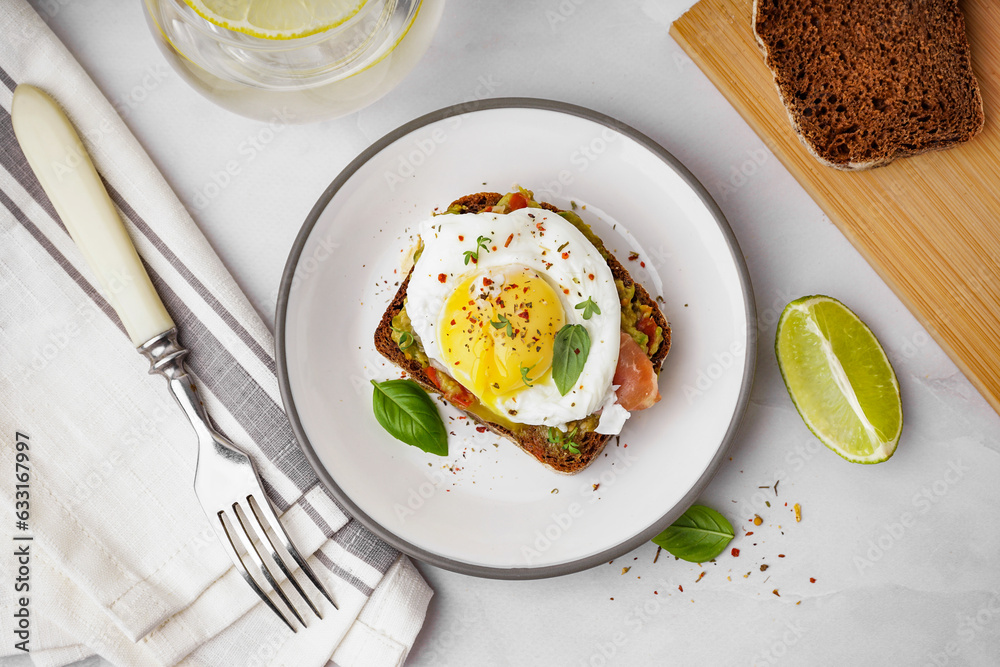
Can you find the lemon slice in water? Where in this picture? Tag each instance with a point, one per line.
(839, 379)
(276, 19)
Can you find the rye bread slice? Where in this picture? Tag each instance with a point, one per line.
(532, 439)
(869, 81)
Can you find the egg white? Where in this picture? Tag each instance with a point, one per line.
(538, 239)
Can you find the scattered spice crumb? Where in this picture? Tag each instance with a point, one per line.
(763, 487)
(658, 550)
(798, 512)
(812, 580)
(775, 591)
(767, 502)
(625, 569)
(597, 486)
(763, 567)
(799, 602)
(554, 491)
(680, 588)
(757, 520)
(699, 577)
(776, 487)
(729, 578)
(735, 552)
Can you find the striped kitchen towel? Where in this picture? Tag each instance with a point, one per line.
(117, 556)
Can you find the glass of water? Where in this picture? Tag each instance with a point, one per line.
(327, 74)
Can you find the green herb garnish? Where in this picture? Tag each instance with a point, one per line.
(569, 354)
(564, 440)
(589, 308)
(481, 244)
(405, 340)
(502, 322)
(698, 536)
(407, 413)
(524, 375)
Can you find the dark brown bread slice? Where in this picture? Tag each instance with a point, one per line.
(869, 81)
(533, 440)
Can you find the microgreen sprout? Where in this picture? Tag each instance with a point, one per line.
(564, 440)
(589, 308)
(482, 243)
(502, 322)
(524, 375)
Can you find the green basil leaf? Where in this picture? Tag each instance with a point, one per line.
(698, 536)
(405, 410)
(569, 354)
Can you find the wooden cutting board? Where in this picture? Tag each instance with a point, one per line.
(929, 225)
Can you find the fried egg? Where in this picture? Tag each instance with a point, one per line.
(487, 297)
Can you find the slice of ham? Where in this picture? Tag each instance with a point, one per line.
(635, 377)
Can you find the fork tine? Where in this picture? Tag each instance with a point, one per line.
(258, 560)
(271, 519)
(261, 530)
(230, 546)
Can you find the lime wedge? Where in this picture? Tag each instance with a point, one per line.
(839, 379)
(276, 19)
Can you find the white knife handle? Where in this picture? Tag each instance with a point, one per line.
(63, 167)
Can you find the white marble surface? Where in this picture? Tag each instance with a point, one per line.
(904, 554)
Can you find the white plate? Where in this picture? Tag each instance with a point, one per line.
(489, 509)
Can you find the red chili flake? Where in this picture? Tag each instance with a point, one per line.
(735, 552)
(632, 256)
(539, 227)
(699, 577)
(526, 289)
(565, 291)
(642, 264)
(480, 429)
(812, 580)
(509, 239)
(775, 591)
(565, 255)
(494, 248)
(680, 588)
(591, 276)
(461, 238)
(523, 315)
(453, 323)
(656, 593)
(750, 533)
(781, 555)
(487, 282)
(442, 277)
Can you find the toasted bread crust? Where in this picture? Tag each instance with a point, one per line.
(868, 82)
(532, 439)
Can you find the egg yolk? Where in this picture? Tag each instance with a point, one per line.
(497, 331)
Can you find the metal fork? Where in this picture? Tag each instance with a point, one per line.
(226, 481)
(230, 491)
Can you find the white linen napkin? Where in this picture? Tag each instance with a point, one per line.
(122, 560)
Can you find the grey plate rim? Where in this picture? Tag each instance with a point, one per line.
(519, 573)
